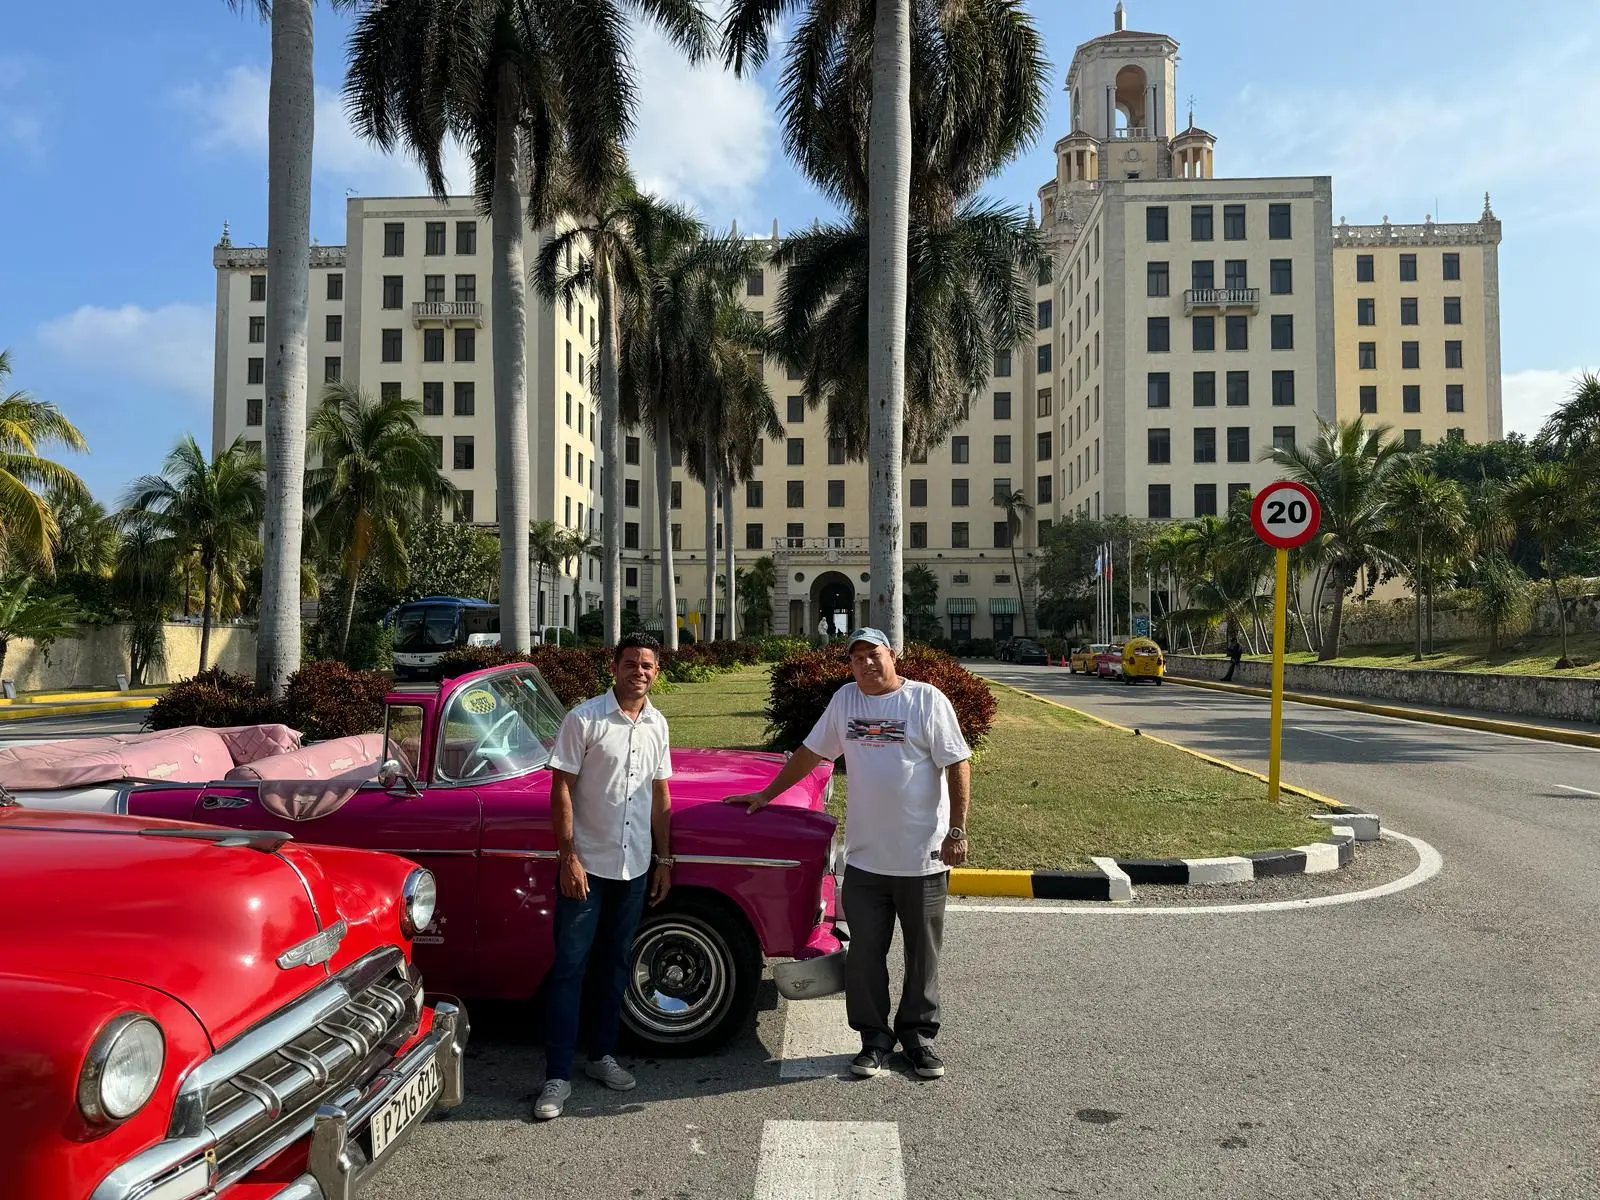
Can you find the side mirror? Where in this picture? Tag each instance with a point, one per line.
(392, 778)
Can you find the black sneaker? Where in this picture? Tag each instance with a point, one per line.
(925, 1062)
(869, 1062)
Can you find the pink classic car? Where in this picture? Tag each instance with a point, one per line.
(458, 782)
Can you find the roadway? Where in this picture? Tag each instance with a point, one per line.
(1436, 1042)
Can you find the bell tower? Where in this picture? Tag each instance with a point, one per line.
(1122, 84)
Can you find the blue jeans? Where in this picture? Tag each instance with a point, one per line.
(605, 924)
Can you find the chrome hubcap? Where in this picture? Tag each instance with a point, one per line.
(681, 980)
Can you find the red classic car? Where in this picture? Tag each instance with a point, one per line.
(459, 782)
(200, 1012)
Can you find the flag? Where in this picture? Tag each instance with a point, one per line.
(1099, 564)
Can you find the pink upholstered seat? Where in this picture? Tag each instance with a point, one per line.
(316, 779)
(187, 755)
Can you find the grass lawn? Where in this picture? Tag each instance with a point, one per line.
(1526, 656)
(1051, 788)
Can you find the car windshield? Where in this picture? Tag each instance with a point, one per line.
(499, 725)
(426, 627)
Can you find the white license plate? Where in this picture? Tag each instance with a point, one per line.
(404, 1108)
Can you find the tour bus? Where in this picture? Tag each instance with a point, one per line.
(426, 629)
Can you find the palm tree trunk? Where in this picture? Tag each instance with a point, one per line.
(888, 228)
(508, 332)
(610, 457)
(708, 629)
(205, 617)
(1016, 574)
(1561, 614)
(1417, 593)
(1330, 644)
(349, 613)
(669, 587)
(730, 596)
(291, 104)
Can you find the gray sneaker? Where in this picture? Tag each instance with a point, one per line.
(553, 1098)
(609, 1073)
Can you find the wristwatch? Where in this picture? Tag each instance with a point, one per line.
(662, 860)
(956, 834)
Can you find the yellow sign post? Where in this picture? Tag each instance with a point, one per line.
(1285, 515)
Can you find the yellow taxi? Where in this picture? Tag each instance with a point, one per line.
(1142, 659)
(1085, 659)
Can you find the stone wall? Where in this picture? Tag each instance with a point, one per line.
(1551, 697)
(1393, 622)
(95, 659)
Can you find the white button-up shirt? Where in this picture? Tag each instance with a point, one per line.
(616, 761)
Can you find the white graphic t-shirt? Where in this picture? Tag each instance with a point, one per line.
(896, 748)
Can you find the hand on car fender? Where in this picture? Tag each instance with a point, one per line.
(753, 801)
(574, 879)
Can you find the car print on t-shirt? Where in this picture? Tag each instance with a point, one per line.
(875, 733)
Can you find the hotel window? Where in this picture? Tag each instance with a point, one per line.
(1408, 310)
(466, 237)
(1412, 439)
(1452, 310)
(1236, 332)
(1158, 390)
(1203, 274)
(394, 240)
(1282, 389)
(959, 449)
(753, 537)
(467, 346)
(1205, 445)
(1411, 398)
(795, 531)
(1158, 335)
(1411, 356)
(797, 452)
(958, 535)
(252, 411)
(1408, 268)
(1042, 447)
(335, 287)
(466, 398)
(436, 445)
(1283, 437)
(1238, 384)
(677, 537)
(674, 493)
(1205, 499)
(389, 390)
(836, 452)
(1366, 311)
(1452, 265)
(1283, 331)
(1236, 274)
(1158, 445)
(918, 489)
(464, 507)
(1200, 223)
(433, 399)
(390, 346)
(463, 454)
(919, 535)
(1238, 443)
(796, 493)
(797, 409)
(1045, 314)
(1235, 491)
(1205, 389)
(835, 493)
(630, 451)
(333, 330)
(1281, 273)
(1233, 223)
(466, 289)
(1155, 223)
(1002, 447)
(1367, 353)
(630, 493)
(1452, 354)
(258, 288)
(394, 291)
(433, 237)
(1002, 406)
(1002, 365)
(630, 541)
(1364, 271)
(1369, 399)
(1044, 402)
(1202, 333)
(755, 284)
(1160, 500)
(1042, 489)
(755, 494)
(433, 345)
(258, 329)
(1278, 222)
(332, 368)
(1044, 356)
(1156, 279)
(1002, 535)
(567, 457)
(1455, 398)
(958, 493)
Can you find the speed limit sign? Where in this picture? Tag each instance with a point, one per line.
(1285, 514)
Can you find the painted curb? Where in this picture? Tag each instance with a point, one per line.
(1543, 733)
(33, 712)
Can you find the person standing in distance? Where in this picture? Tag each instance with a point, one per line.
(612, 812)
(910, 784)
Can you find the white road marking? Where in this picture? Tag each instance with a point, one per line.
(1567, 787)
(1324, 733)
(1426, 869)
(817, 1038)
(830, 1160)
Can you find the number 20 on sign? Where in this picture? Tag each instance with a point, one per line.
(1285, 515)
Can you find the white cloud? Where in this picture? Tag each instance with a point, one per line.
(1527, 398)
(170, 347)
(703, 136)
(233, 115)
(21, 125)
(1442, 140)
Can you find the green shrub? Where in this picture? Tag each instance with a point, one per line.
(327, 699)
(977, 648)
(573, 674)
(803, 684)
(776, 649)
(212, 698)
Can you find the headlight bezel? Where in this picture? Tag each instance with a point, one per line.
(420, 890)
(92, 1101)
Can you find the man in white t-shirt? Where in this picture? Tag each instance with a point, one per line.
(910, 783)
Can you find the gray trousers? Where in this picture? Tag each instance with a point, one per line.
(871, 905)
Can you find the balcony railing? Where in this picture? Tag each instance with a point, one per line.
(1133, 133)
(815, 546)
(1195, 298)
(451, 312)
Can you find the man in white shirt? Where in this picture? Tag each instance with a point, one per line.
(910, 783)
(611, 811)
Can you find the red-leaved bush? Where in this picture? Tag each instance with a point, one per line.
(803, 684)
(212, 698)
(326, 699)
(574, 675)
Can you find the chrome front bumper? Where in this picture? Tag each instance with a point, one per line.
(338, 1167)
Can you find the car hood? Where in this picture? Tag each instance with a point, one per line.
(706, 776)
(199, 919)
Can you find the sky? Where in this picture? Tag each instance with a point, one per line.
(129, 134)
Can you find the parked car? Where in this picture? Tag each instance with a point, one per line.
(1142, 659)
(1085, 659)
(458, 781)
(1108, 663)
(1025, 651)
(202, 1012)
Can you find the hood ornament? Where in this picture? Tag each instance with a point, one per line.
(316, 950)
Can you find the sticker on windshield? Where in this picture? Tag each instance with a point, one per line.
(479, 701)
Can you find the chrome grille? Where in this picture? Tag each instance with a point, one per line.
(260, 1093)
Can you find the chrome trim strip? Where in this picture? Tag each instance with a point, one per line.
(140, 1174)
(539, 854)
(414, 851)
(311, 897)
(729, 860)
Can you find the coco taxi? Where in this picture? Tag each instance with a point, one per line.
(202, 1012)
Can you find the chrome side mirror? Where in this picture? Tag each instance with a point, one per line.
(391, 778)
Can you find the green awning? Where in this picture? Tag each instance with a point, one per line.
(960, 604)
(1001, 605)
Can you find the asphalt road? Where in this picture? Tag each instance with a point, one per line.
(1438, 1042)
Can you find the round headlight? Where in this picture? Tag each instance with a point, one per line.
(419, 897)
(122, 1068)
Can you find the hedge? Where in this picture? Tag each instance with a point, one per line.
(323, 699)
(803, 684)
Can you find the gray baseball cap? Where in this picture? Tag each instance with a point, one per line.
(867, 634)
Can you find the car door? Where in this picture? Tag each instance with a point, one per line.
(435, 826)
(517, 882)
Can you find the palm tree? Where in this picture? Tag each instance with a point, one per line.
(1429, 516)
(543, 97)
(145, 582)
(546, 541)
(755, 593)
(375, 478)
(1349, 466)
(27, 521)
(26, 614)
(1016, 507)
(210, 508)
(1549, 500)
(579, 547)
(611, 235)
(86, 535)
(1573, 430)
(848, 122)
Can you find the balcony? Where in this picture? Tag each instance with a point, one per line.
(829, 548)
(448, 312)
(1133, 133)
(1221, 298)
